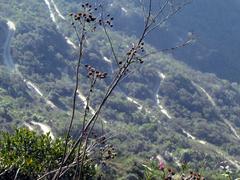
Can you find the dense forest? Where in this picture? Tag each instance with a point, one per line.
(163, 108)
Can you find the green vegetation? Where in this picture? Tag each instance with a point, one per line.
(43, 57)
(28, 154)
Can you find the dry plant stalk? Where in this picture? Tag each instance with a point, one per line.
(89, 19)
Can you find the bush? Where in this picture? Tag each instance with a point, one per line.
(28, 154)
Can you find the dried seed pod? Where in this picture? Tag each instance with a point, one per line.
(90, 73)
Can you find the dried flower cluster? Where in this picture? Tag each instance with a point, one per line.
(137, 49)
(93, 73)
(193, 176)
(89, 14)
(108, 20)
(170, 174)
(108, 152)
(86, 14)
(136, 52)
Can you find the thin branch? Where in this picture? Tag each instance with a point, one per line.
(93, 81)
(109, 38)
(89, 149)
(167, 17)
(185, 43)
(160, 11)
(81, 39)
(111, 45)
(143, 9)
(16, 175)
(110, 89)
(56, 170)
(6, 170)
(149, 11)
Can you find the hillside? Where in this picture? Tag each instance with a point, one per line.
(214, 24)
(163, 108)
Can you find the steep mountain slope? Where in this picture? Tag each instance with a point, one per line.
(215, 24)
(165, 108)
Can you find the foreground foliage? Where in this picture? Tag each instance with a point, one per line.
(27, 155)
(158, 169)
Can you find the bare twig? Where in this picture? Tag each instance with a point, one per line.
(4, 172)
(109, 38)
(183, 44)
(92, 83)
(143, 9)
(154, 24)
(16, 175)
(56, 170)
(81, 39)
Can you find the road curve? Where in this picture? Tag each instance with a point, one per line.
(8, 61)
